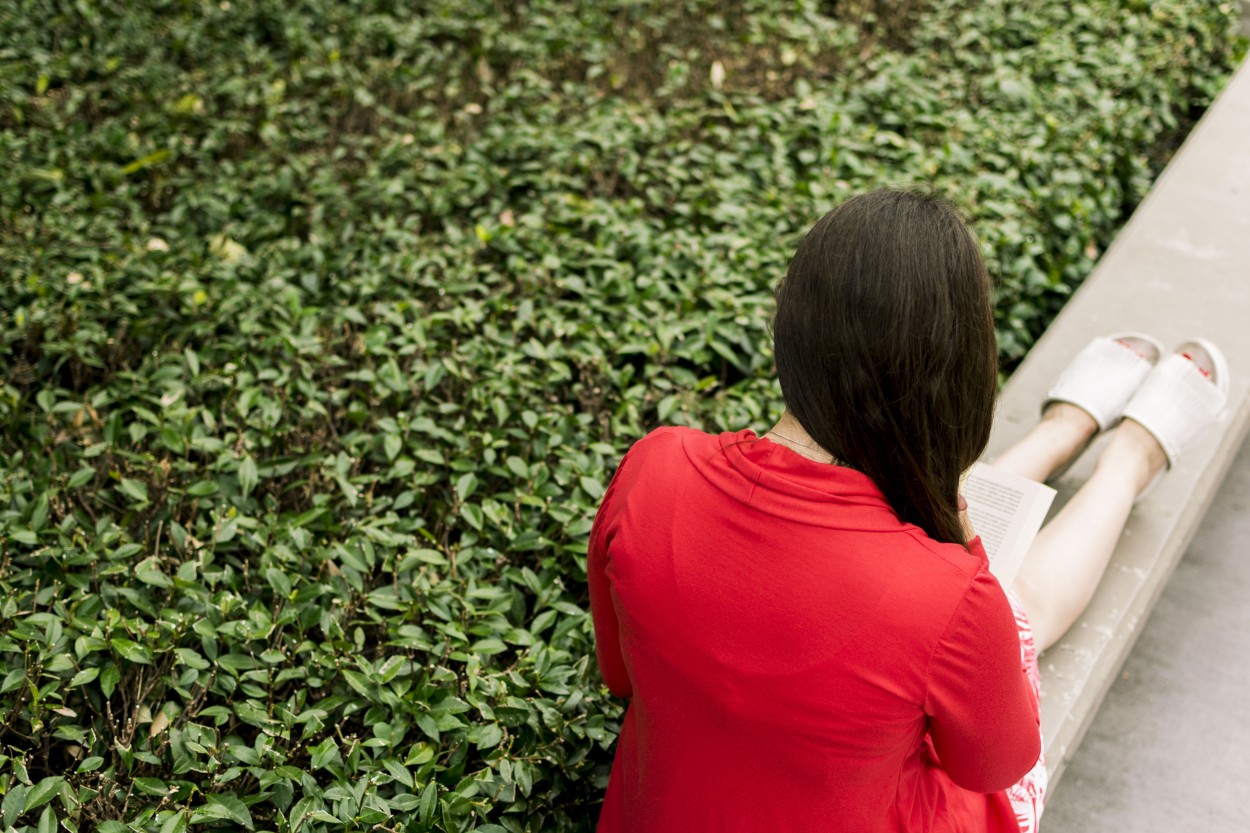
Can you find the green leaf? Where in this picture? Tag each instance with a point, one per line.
(227, 807)
(152, 786)
(176, 823)
(357, 681)
(428, 725)
(279, 581)
(350, 492)
(665, 408)
(39, 513)
(390, 669)
(249, 476)
(110, 675)
(322, 815)
(472, 514)
(25, 536)
(488, 736)
(131, 651)
(149, 573)
(429, 802)
(325, 754)
(489, 646)
(43, 792)
(172, 440)
(192, 659)
(14, 804)
(404, 803)
(81, 477)
(84, 676)
(193, 361)
(466, 486)
(91, 764)
(134, 489)
(202, 488)
(399, 772)
(430, 456)
(428, 556)
(47, 821)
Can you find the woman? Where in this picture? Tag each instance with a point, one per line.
(803, 621)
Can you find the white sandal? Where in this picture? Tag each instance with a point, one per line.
(1104, 376)
(1101, 380)
(1178, 403)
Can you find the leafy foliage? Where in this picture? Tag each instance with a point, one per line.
(324, 323)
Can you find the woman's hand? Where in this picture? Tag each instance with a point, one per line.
(965, 521)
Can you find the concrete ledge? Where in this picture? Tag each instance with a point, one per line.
(1181, 267)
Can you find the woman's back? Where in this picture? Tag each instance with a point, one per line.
(790, 647)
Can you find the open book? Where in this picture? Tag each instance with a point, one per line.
(1006, 511)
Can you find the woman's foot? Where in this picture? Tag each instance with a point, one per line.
(1071, 428)
(1086, 398)
(1102, 378)
(1135, 447)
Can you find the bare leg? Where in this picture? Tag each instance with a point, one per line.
(1066, 561)
(1062, 431)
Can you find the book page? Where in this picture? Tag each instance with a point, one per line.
(1006, 511)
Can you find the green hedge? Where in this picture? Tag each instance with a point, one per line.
(324, 323)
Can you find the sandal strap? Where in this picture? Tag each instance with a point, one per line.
(1101, 379)
(1177, 404)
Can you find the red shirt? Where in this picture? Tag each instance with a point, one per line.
(795, 658)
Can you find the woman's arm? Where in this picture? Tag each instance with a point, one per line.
(983, 715)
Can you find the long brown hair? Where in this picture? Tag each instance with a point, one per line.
(885, 348)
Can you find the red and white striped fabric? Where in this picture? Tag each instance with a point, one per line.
(1028, 795)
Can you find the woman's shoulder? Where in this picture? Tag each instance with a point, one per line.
(675, 434)
(645, 452)
(669, 438)
(968, 561)
(941, 577)
(667, 434)
(668, 455)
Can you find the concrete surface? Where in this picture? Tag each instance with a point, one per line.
(1180, 267)
(1169, 750)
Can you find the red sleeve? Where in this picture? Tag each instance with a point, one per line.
(983, 715)
(602, 611)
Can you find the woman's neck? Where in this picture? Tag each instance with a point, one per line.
(790, 433)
